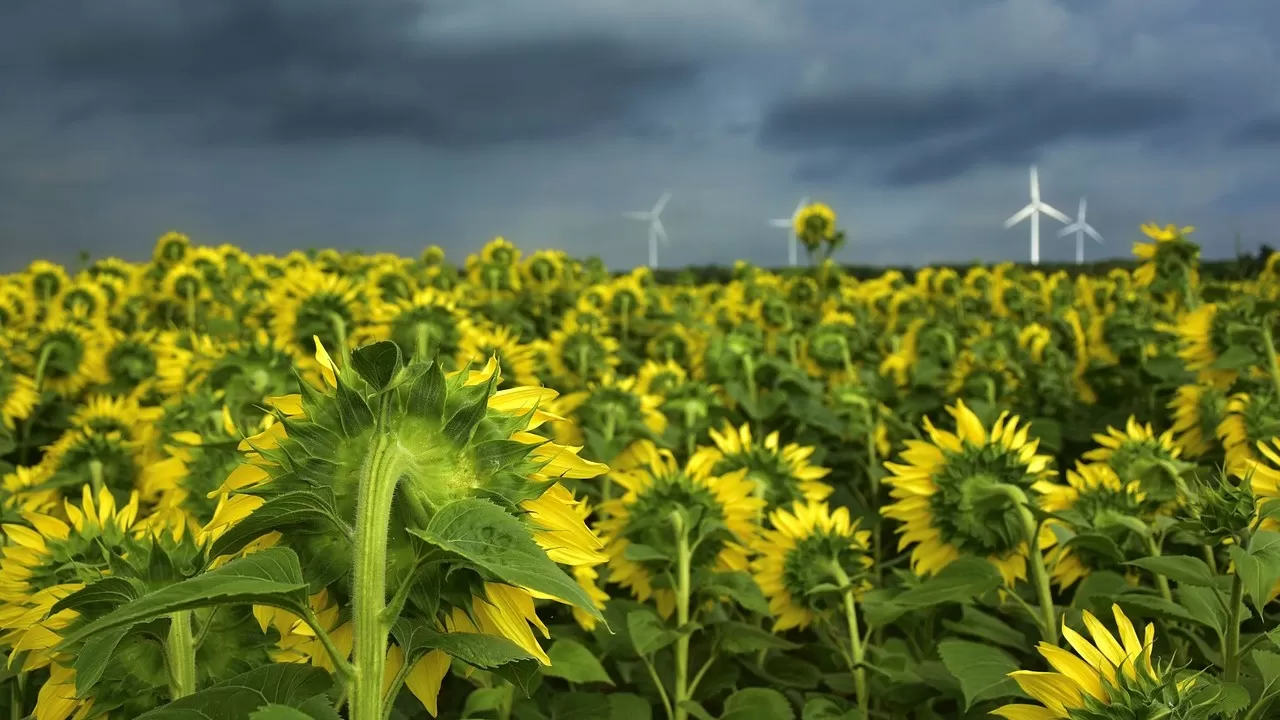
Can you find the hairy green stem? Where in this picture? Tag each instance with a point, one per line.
(1273, 364)
(855, 637)
(180, 653)
(1039, 576)
(1161, 581)
(1231, 643)
(684, 581)
(369, 576)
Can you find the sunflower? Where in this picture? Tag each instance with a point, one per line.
(1264, 479)
(117, 414)
(1139, 453)
(1251, 417)
(130, 360)
(957, 493)
(450, 465)
(518, 361)
(795, 556)
(309, 303)
(83, 302)
(832, 347)
(1090, 501)
(172, 247)
(1202, 334)
(496, 269)
(657, 378)
(20, 491)
(1197, 412)
(18, 397)
(545, 269)
(184, 483)
(1169, 262)
(674, 342)
(578, 354)
(781, 473)
(427, 323)
(613, 409)
(1105, 679)
(44, 281)
(814, 223)
(390, 282)
(642, 517)
(68, 358)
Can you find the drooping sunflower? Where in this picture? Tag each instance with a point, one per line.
(1264, 478)
(1167, 262)
(641, 516)
(83, 302)
(422, 325)
(172, 247)
(781, 473)
(1251, 416)
(309, 303)
(545, 269)
(796, 555)
(578, 354)
(390, 282)
(655, 378)
(1197, 412)
(1140, 453)
(1106, 679)
(66, 358)
(518, 361)
(1093, 496)
(130, 360)
(117, 414)
(496, 269)
(18, 395)
(832, 348)
(452, 438)
(615, 411)
(957, 494)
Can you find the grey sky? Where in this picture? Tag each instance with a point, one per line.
(391, 124)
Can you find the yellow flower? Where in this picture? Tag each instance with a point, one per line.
(795, 554)
(781, 473)
(1093, 491)
(1099, 674)
(953, 493)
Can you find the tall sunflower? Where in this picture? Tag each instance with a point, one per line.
(458, 443)
(1092, 501)
(1197, 412)
(1140, 453)
(426, 323)
(641, 517)
(781, 473)
(1107, 679)
(18, 395)
(1251, 416)
(65, 358)
(579, 353)
(796, 555)
(957, 493)
(309, 303)
(518, 361)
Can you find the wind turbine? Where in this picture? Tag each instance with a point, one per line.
(1033, 210)
(1080, 228)
(656, 231)
(790, 224)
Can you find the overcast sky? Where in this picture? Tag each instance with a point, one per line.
(392, 124)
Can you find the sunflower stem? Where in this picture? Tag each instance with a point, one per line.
(855, 638)
(1039, 576)
(369, 576)
(749, 375)
(1163, 582)
(684, 562)
(420, 342)
(180, 654)
(340, 663)
(340, 331)
(95, 476)
(1273, 364)
(1231, 643)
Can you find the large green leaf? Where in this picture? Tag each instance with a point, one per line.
(1258, 566)
(99, 598)
(94, 656)
(961, 581)
(269, 577)
(739, 637)
(574, 662)
(580, 706)
(283, 512)
(648, 633)
(1182, 569)
(492, 540)
(377, 363)
(482, 651)
(291, 685)
(983, 671)
(741, 587)
(757, 703)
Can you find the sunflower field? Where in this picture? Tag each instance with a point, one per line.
(332, 485)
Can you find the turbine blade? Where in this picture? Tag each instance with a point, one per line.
(780, 223)
(662, 202)
(1021, 215)
(661, 231)
(1093, 234)
(1035, 184)
(1074, 227)
(1083, 206)
(804, 201)
(1053, 213)
(636, 215)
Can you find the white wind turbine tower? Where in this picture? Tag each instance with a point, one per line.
(1080, 228)
(790, 224)
(1033, 210)
(656, 231)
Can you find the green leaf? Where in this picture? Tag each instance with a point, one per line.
(493, 455)
(482, 651)
(377, 363)
(524, 674)
(1259, 566)
(738, 637)
(462, 425)
(757, 703)
(648, 633)
(960, 581)
(1205, 605)
(1154, 605)
(283, 512)
(493, 541)
(629, 706)
(983, 671)
(279, 712)
(1236, 357)
(1231, 699)
(572, 661)
(1268, 668)
(426, 394)
(99, 598)
(694, 708)
(635, 552)
(988, 627)
(484, 700)
(790, 671)
(741, 587)
(580, 706)
(825, 708)
(287, 684)
(353, 411)
(268, 577)
(94, 656)
(1182, 569)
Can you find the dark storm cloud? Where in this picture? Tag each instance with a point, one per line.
(941, 135)
(1264, 130)
(313, 71)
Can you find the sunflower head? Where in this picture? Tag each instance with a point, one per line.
(578, 354)
(424, 324)
(1109, 678)
(309, 303)
(1197, 412)
(1139, 453)
(1101, 515)
(68, 358)
(1252, 416)
(390, 282)
(814, 224)
(1169, 262)
(809, 546)
(172, 247)
(782, 474)
(663, 500)
(610, 416)
(545, 268)
(18, 396)
(961, 493)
